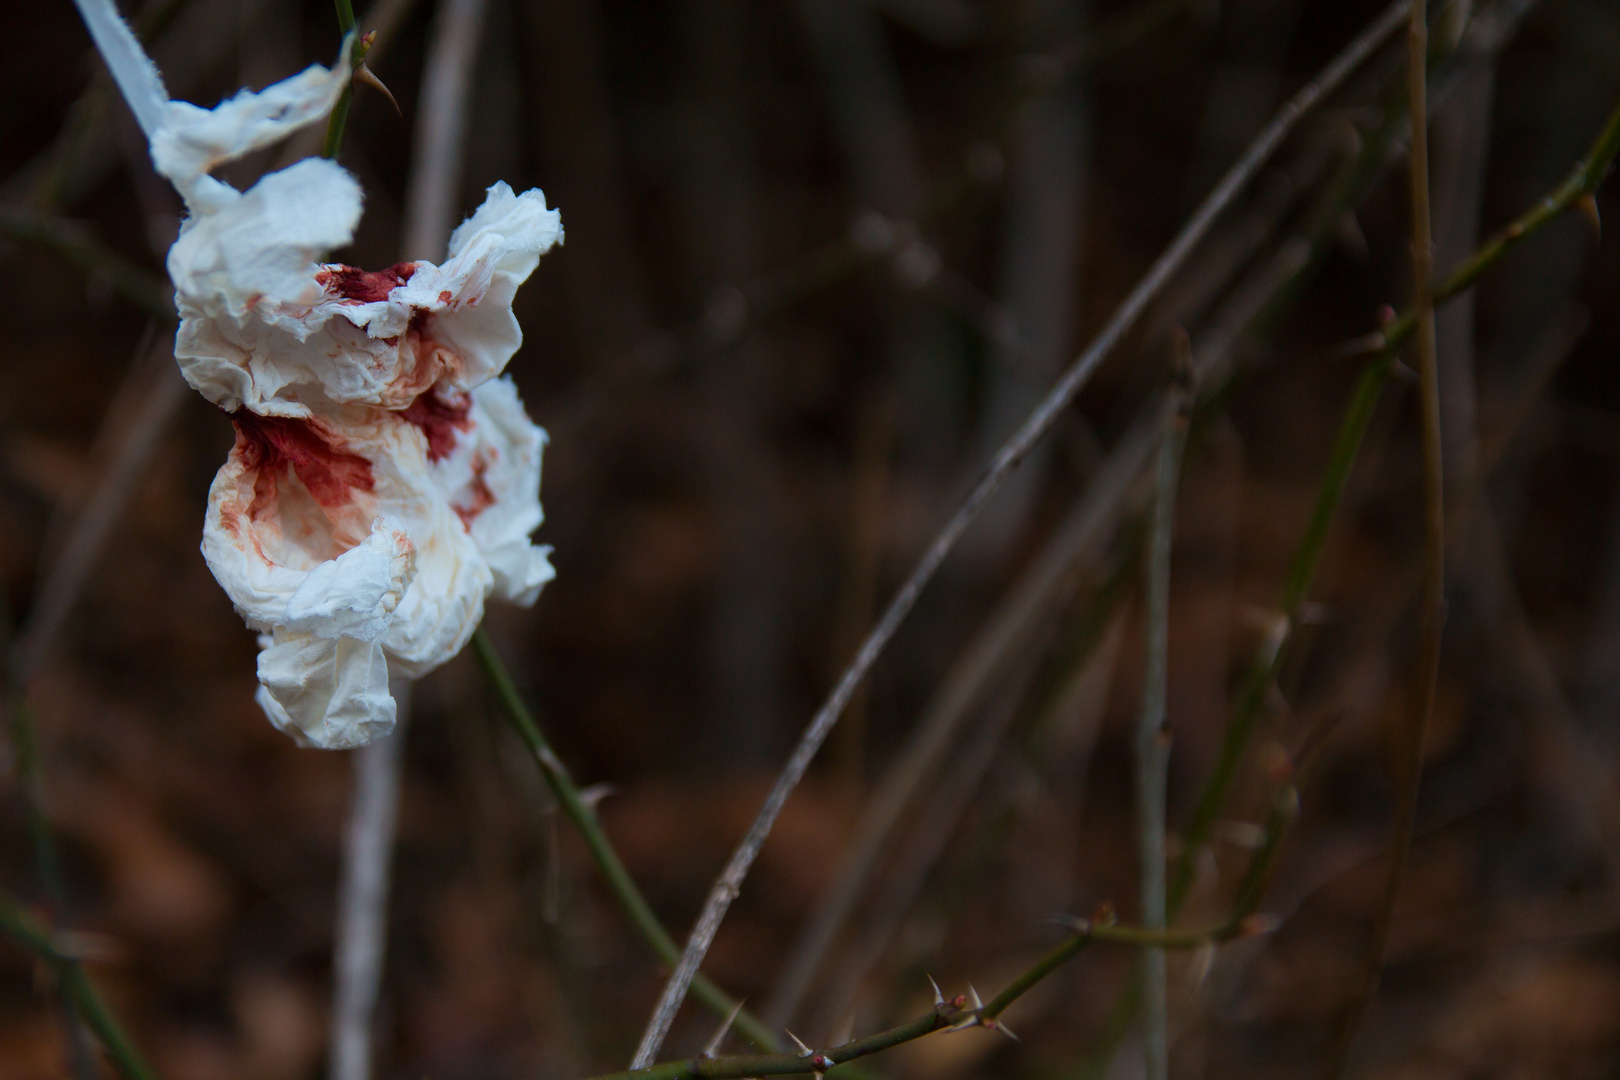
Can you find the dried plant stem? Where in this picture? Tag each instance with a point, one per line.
(158, 402)
(47, 861)
(1582, 181)
(435, 172)
(583, 817)
(1432, 615)
(363, 898)
(981, 661)
(1153, 730)
(1576, 190)
(954, 1014)
(17, 923)
(1040, 421)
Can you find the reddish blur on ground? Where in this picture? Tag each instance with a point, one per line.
(821, 257)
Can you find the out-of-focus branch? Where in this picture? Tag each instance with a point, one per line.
(1006, 460)
(980, 663)
(1581, 183)
(1432, 615)
(961, 1012)
(17, 923)
(432, 195)
(435, 176)
(580, 813)
(1153, 729)
(146, 290)
(361, 934)
(1577, 191)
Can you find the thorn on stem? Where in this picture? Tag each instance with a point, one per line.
(713, 1048)
(845, 1029)
(939, 998)
(804, 1051)
(365, 75)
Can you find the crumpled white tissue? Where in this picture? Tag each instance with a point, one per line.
(385, 479)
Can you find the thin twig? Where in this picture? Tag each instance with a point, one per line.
(980, 662)
(339, 117)
(17, 923)
(956, 1014)
(1007, 458)
(75, 243)
(362, 925)
(1581, 183)
(434, 190)
(1576, 190)
(583, 817)
(1432, 611)
(159, 402)
(1153, 730)
(434, 186)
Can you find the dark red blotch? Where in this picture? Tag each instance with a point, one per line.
(268, 443)
(440, 418)
(364, 286)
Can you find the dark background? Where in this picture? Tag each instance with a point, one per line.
(755, 430)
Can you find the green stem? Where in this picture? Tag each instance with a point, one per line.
(1296, 586)
(619, 881)
(1581, 183)
(1153, 729)
(17, 923)
(943, 1015)
(357, 56)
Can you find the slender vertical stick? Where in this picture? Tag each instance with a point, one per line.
(1432, 618)
(1153, 731)
(363, 899)
(17, 923)
(432, 192)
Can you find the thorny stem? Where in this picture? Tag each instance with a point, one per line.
(357, 56)
(1153, 731)
(18, 924)
(1576, 190)
(619, 881)
(955, 1013)
(1296, 587)
(1578, 187)
(1034, 428)
(1432, 617)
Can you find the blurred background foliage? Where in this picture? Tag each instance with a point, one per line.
(821, 257)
